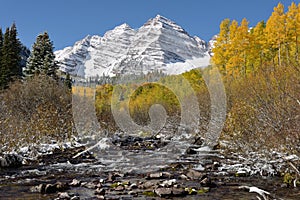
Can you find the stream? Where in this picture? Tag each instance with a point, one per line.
(142, 172)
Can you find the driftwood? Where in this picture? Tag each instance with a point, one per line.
(297, 173)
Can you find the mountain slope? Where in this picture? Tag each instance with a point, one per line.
(160, 44)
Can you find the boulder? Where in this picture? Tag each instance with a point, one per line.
(100, 191)
(75, 183)
(39, 188)
(163, 192)
(193, 174)
(10, 160)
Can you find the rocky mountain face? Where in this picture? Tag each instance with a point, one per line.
(159, 45)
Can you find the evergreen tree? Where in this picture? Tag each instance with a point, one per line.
(15, 68)
(5, 61)
(1, 68)
(10, 67)
(42, 58)
(68, 81)
(1, 43)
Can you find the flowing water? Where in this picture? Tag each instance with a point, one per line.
(16, 183)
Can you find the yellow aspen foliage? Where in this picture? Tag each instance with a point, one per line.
(220, 50)
(276, 33)
(257, 54)
(293, 28)
(233, 51)
(240, 50)
(243, 37)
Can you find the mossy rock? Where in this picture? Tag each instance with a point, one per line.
(191, 191)
(149, 193)
(114, 185)
(203, 190)
(288, 178)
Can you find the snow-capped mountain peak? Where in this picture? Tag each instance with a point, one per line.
(118, 30)
(160, 44)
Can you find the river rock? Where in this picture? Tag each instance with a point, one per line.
(89, 185)
(67, 196)
(163, 192)
(63, 196)
(167, 175)
(100, 191)
(100, 197)
(179, 192)
(191, 151)
(75, 198)
(205, 181)
(133, 186)
(50, 188)
(61, 186)
(183, 177)
(10, 160)
(113, 176)
(112, 197)
(168, 183)
(53, 188)
(119, 188)
(199, 141)
(242, 172)
(39, 188)
(148, 184)
(75, 183)
(193, 174)
(157, 175)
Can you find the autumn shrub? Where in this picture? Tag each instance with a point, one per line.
(35, 111)
(264, 110)
(149, 94)
(103, 107)
(138, 99)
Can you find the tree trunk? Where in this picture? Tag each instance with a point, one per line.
(279, 54)
(297, 50)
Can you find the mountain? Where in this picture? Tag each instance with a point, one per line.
(159, 45)
(25, 53)
(211, 44)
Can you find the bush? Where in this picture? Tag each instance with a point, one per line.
(35, 111)
(264, 110)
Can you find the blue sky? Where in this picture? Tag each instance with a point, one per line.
(68, 21)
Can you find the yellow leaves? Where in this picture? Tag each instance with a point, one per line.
(142, 97)
(231, 47)
(220, 50)
(276, 32)
(149, 94)
(239, 50)
(83, 91)
(293, 31)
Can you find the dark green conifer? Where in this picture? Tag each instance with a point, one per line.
(1, 69)
(5, 60)
(42, 58)
(15, 68)
(10, 59)
(68, 81)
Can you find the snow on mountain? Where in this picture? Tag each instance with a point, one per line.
(160, 44)
(211, 44)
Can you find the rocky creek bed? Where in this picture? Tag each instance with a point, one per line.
(198, 173)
